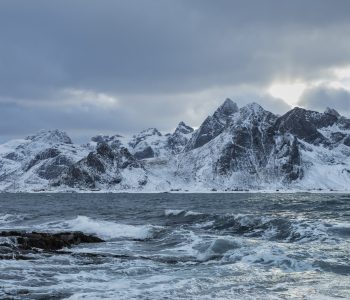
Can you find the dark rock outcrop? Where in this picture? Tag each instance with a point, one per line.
(252, 141)
(288, 158)
(20, 244)
(53, 168)
(246, 147)
(304, 124)
(45, 154)
(143, 135)
(51, 137)
(103, 166)
(144, 153)
(213, 125)
(180, 138)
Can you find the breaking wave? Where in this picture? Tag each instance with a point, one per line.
(10, 218)
(266, 227)
(107, 229)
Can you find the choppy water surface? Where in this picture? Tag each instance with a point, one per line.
(183, 246)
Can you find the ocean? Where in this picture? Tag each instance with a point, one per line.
(182, 246)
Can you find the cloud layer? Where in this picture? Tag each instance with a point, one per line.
(324, 96)
(124, 65)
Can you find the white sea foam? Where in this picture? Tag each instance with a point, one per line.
(111, 230)
(176, 212)
(10, 218)
(274, 256)
(173, 212)
(218, 248)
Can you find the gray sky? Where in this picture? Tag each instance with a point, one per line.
(118, 66)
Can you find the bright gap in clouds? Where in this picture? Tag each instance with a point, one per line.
(290, 92)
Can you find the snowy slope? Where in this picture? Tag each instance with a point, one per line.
(245, 148)
(32, 163)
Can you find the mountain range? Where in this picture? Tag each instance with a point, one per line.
(234, 149)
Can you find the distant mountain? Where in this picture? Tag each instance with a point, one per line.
(245, 148)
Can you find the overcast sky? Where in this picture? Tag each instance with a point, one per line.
(91, 67)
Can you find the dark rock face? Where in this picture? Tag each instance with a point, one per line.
(332, 111)
(304, 124)
(255, 146)
(100, 167)
(51, 136)
(183, 128)
(93, 162)
(53, 168)
(113, 141)
(180, 138)
(143, 135)
(347, 141)
(23, 242)
(127, 160)
(344, 123)
(105, 150)
(76, 177)
(145, 153)
(12, 156)
(288, 152)
(252, 142)
(47, 153)
(337, 137)
(105, 138)
(231, 142)
(213, 125)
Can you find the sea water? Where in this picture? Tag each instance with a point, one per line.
(183, 246)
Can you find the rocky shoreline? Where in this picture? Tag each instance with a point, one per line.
(20, 245)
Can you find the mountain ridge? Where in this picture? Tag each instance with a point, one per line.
(247, 148)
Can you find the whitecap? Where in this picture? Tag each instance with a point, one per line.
(177, 212)
(173, 212)
(108, 229)
(10, 218)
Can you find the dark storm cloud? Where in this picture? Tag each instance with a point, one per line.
(143, 51)
(321, 97)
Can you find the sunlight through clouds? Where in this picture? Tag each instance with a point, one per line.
(290, 92)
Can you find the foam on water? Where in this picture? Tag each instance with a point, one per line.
(177, 212)
(105, 229)
(10, 218)
(237, 248)
(217, 249)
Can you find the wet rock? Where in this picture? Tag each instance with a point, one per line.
(49, 241)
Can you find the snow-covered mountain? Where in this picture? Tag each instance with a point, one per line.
(245, 148)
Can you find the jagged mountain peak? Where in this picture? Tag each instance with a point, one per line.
(183, 128)
(253, 107)
(252, 113)
(50, 136)
(248, 147)
(227, 108)
(105, 138)
(332, 111)
(305, 123)
(149, 132)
